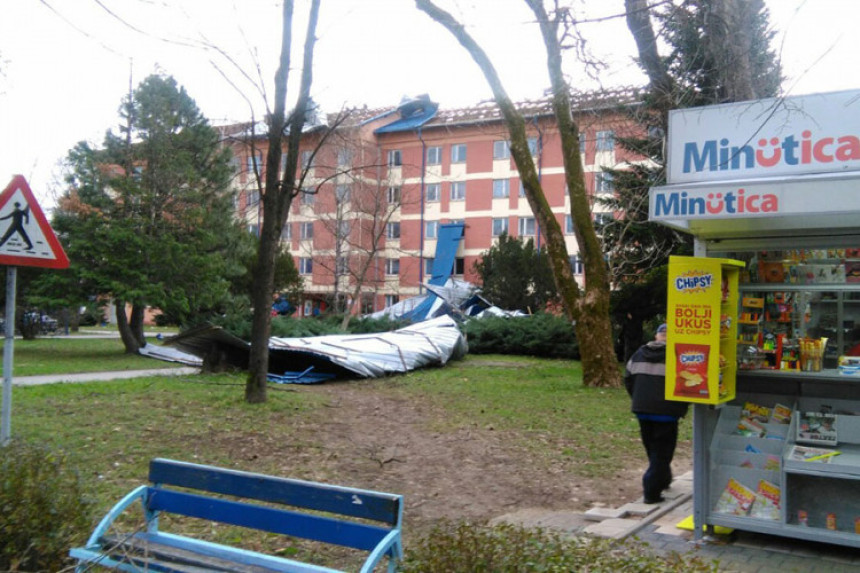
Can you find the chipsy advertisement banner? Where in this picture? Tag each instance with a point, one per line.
(693, 319)
(765, 138)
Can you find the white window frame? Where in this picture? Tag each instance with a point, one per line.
(576, 265)
(433, 192)
(605, 140)
(458, 153)
(392, 230)
(500, 225)
(287, 232)
(458, 190)
(306, 230)
(259, 162)
(395, 158)
(344, 157)
(501, 149)
(431, 230)
(434, 155)
(306, 266)
(394, 194)
(501, 188)
(342, 193)
(391, 299)
(392, 267)
(603, 183)
(308, 198)
(307, 158)
(428, 265)
(252, 197)
(568, 225)
(533, 146)
(526, 227)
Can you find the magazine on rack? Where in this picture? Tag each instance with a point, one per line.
(736, 499)
(808, 454)
(816, 428)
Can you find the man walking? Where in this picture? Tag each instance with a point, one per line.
(17, 226)
(645, 380)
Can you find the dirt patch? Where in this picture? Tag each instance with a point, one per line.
(373, 439)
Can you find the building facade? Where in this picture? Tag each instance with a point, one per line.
(377, 185)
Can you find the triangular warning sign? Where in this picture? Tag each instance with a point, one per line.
(26, 237)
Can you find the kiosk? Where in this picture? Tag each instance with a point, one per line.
(770, 190)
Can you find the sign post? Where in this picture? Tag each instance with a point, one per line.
(27, 240)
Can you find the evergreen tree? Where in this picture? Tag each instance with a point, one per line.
(516, 276)
(148, 220)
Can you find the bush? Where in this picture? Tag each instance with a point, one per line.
(287, 327)
(543, 335)
(455, 547)
(45, 510)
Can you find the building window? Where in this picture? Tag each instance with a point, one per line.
(341, 267)
(394, 195)
(287, 232)
(526, 226)
(459, 266)
(253, 197)
(283, 163)
(568, 225)
(522, 189)
(434, 155)
(533, 146)
(458, 153)
(428, 266)
(431, 229)
(395, 158)
(254, 229)
(343, 228)
(432, 192)
(391, 300)
(255, 162)
(456, 221)
(576, 265)
(582, 143)
(392, 230)
(392, 266)
(603, 182)
(500, 226)
(501, 149)
(306, 265)
(341, 193)
(501, 188)
(306, 230)
(344, 157)
(458, 190)
(307, 159)
(308, 197)
(603, 219)
(605, 140)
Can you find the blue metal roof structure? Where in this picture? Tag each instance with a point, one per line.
(413, 114)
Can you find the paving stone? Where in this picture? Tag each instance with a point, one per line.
(612, 528)
(639, 508)
(601, 513)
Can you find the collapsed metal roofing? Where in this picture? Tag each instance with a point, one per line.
(429, 343)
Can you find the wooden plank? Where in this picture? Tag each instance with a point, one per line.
(353, 502)
(283, 521)
(160, 557)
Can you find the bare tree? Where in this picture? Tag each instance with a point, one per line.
(278, 193)
(590, 308)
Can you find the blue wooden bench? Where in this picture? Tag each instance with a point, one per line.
(361, 519)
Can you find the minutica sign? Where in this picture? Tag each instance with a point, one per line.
(775, 137)
(718, 155)
(682, 203)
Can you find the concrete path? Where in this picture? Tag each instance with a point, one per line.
(101, 376)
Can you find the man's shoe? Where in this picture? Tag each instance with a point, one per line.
(657, 499)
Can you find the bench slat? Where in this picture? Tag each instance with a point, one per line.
(353, 502)
(316, 527)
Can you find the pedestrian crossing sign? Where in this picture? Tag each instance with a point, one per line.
(26, 237)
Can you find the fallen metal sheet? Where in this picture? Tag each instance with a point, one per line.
(170, 355)
(428, 343)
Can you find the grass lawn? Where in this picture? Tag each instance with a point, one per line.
(72, 355)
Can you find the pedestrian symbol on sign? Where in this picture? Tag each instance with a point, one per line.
(17, 226)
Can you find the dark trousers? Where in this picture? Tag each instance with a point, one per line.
(659, 439)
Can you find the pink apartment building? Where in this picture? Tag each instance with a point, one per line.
(384, 182)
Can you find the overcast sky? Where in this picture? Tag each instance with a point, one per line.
(65, 65)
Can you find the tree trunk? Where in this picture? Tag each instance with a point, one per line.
(277, 197)
(138, 312)
(128, 338)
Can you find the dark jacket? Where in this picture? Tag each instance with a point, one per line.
(645, 380)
